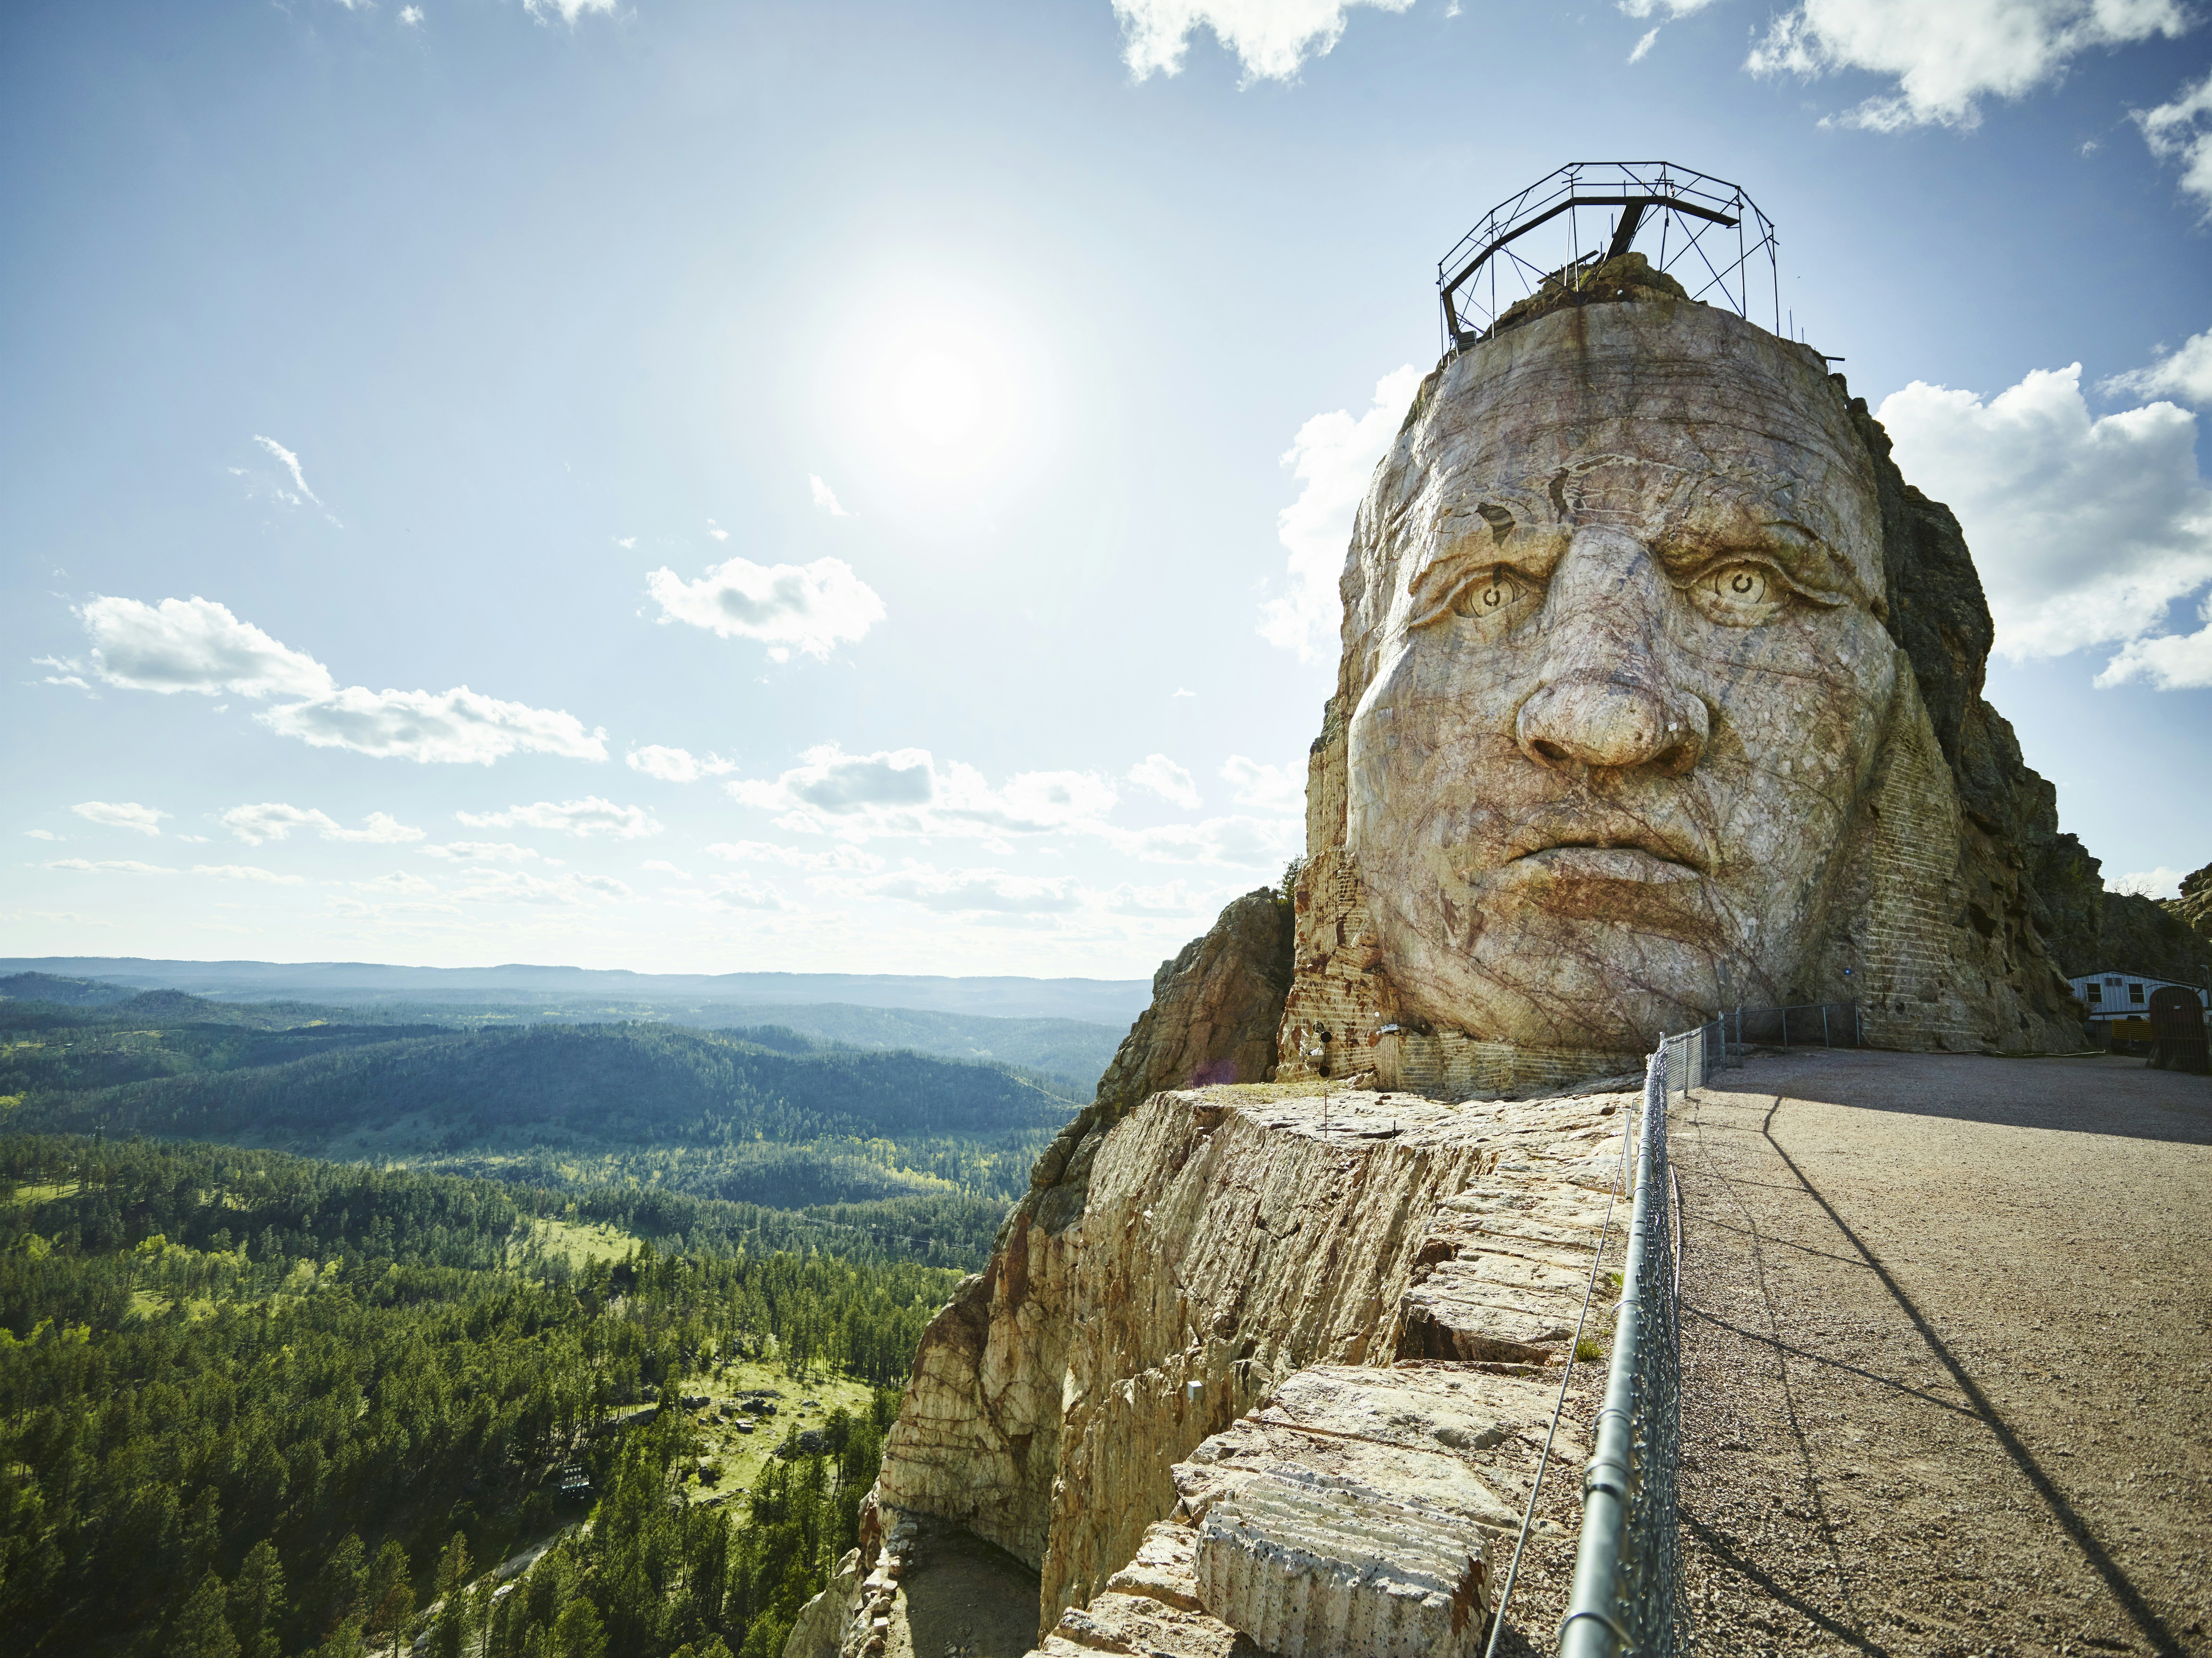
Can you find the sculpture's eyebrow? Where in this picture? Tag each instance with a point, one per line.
(1706, 517)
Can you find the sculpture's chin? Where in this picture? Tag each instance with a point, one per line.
(1602, 950)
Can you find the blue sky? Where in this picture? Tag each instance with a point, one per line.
(879, 471)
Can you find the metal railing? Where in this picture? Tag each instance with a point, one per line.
(1626, 1598)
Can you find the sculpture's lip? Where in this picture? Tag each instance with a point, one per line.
(1628, 863)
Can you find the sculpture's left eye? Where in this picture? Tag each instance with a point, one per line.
(1739, 592)
(1490, 597)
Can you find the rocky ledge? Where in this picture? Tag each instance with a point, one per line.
(1295, 1301)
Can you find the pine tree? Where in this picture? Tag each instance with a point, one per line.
(389, 1594)
(257, 1600)
(200, 1631)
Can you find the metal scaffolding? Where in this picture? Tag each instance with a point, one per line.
(1703, 232)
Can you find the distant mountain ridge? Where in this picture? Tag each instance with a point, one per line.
(1114, 1002)
(926, 1147)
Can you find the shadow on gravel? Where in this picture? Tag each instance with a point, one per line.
(1722, 1550)
(2041, 1094)
(2139, 1611)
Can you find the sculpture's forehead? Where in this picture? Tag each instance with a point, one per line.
(1642, 419)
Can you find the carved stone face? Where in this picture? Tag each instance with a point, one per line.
(1620, 677)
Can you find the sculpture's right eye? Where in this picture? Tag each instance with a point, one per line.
(1491, 597)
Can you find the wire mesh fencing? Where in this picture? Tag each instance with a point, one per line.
(1627, 1595)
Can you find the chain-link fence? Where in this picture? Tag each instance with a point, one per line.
(1807, 1025)
(1626, 1598)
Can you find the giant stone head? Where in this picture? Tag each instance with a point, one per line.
(1618, 717)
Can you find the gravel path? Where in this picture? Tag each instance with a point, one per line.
(1948, 1343)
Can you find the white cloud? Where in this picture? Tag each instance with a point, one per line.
(1175, 898)
(291, 464)
(2084, 531)
(662, 866)
(1181, 692)
(676, 765)
(2161, 882)
(121, 866)
(412, 16)
(2185, 374)
(399, 881)
(836, 860)
(1334, 455)
(826, 498)
(717, 531)
(1238, 842)
(520, 887)
(970, 891)
(906, 792)
(197, 645)
(43, 834)
(2182, 129)
(743, 893)
(1945, 57)
(1270, 37)
(274, 820)
(2171, 662)
(1643, 47)
(625, 542)
(121, 814)
(1270, 788)
(1166, 779)
(378, 828)
(246, 872)
(67, 670)
(484, 852)
(567, 10)
(809, 608)
(456, 727)
(582, 818)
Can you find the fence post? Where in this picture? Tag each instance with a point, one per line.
(1824, 1027)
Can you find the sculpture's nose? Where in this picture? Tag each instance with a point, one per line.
(1605, 698)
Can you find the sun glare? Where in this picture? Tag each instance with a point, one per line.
(939, 398)
(948, 400)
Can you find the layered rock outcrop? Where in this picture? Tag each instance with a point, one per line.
(978, 1441)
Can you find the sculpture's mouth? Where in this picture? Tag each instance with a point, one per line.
(1630, 850)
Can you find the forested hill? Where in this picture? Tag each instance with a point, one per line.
(758, 1116)
(254, 1406)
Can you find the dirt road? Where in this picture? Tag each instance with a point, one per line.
(1948, 1338)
